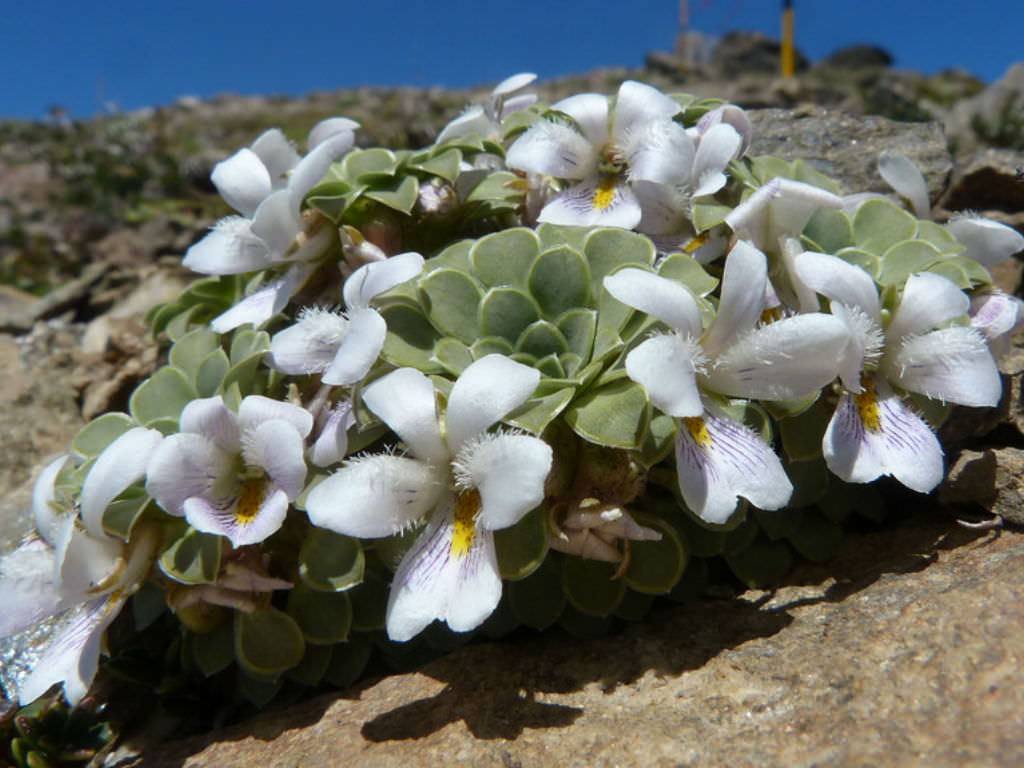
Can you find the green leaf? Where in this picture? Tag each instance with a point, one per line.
(444, 164)
(904, 258)
(539, 600)
(329, 561)
(614, 414)
(693, 583)
(688, 271)
(451, 299)
(267, 642)
(763, 564)
(399, 197)
(708, 213)
(655, 566)
(259, 693)
(878, 225)
(369, 603)
(162, 396)
(362, 162)
(179, 326)
(609, 249)
(816, 537)
(810, 480)
(191, 349)
(590, 585)
(536, 413)
(193, 559)
(348, 660)
(410, 339)
(243, 374)
(311, 670)
(330, 198)
(211, 372)
(552, 235)
(214, 651)
(122, 513)
(521, 547)
(453, 356)
(541, 339)
(246, 343)
(659, 439)
(953, 271)
(559, 280)
(578, 327)
(805, 172)
(490, 345)
(767, 167)
(831, 229)
(99, 433)
(938, 236)
(869, 262)
(324, 617)
(503, 258)
(506, 312)
(583, 626)
(801, 435)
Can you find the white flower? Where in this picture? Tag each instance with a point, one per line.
(70, 568)
(717, 459)
(232, 475)
(485, 119)
(467, 483)
(343, 347)
(266, 183)
(873, 432)
(996, 314)
(605, 161)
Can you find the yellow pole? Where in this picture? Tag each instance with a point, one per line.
(788, 63)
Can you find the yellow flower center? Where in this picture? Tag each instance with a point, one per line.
(867, 406)
(698, 430)
(697, 242)
(249, 500)
(467, 504)
(604, 193)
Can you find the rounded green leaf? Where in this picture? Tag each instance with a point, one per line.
(685, 269)
(311, 670)
(953, 270)
(410, 339)
(348, 660)
(121, 515)
(591, 586)
(536, 413)
(444, 164)
(329, 561)
(324, 617)
(504, 258)
(583, 626)
(522, 547)
(634, 605)
(360, 162)
(192, 348)
(816, 537)
(162, 396)
(903, 259)
(214, 651)
(578, 327)
(879, 224)
(608, 249)
(869, 262)
(655, 566)
(246, 343)
(258, 692)
(801, 435)
(694, 581)
(99, 433)
(506, 312)
(559, 280)
(763, 564)
(193, 559)
(614, 414)
(767, 167)
(489, 345)
(451, 299)
(805, 172)
(562, 234)
(453, 356)
(211, 372)
(541, 339)
(831, 229)
(369, 605)
(267, 642)
(938, 236)
(399, 196)
(538, 600)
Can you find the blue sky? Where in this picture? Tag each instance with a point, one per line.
(80, 55)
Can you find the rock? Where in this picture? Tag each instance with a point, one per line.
(847, 146)
(857, 57)
(992, 479)
(986, 182)
(904, 651)
(745, 52)
(992, 116)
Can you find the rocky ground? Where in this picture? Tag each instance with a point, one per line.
(905, 650)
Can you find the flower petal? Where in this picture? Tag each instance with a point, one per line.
(238, 523)
(657, 296)
(121, 463)
(720, 144)
(838, 280)
(509, 471)
(666, 367)
(28, 582)
(437, 580)
(314, 165)
(209, 417)
(256, 409)
(472, 120)
(73, 656)
(277, 154)
(781, 207)
(331, 443)
(513, 83)
(86, 563)
(230, 248)
(718, 460)
(638, 104)
(902, 175)
(594, 202)
(329, 127)
(277, 447)
(928, 300)
(553, 149)
(276, 222)
(590, 111)
(377, 277)
(46, 512)
(182, 466)
(987, 242)
(374, 496)
(742, 297)
(359, 349)
(951, 364)
(660, 152)
(310, 345)
(484, 393)
(259, 307)
(875, 434)
(242, 180)
(405, 401)
(785, 359)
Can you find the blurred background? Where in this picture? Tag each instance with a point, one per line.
(121, 56)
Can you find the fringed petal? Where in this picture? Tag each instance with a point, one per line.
(509, 471)
(666, 367)
(659, 297)
(951, 364)
(121, 464)
(406, 402)
(484, 393)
